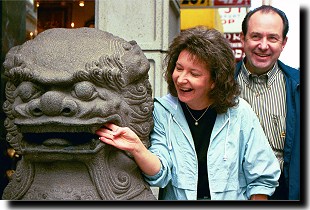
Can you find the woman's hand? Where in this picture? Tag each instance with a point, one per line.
(120, 137)
(125, 139)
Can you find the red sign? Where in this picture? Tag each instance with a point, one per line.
(227, 3)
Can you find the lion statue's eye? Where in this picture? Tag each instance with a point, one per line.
(85, 91)
(27, 91)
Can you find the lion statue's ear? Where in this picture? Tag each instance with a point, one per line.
(135, 63)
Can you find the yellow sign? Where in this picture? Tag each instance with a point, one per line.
(195, 3)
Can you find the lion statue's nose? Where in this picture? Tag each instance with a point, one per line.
(54, 103)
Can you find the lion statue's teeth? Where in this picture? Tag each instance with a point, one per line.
(58, 142)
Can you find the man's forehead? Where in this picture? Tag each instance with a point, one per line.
(265, 23)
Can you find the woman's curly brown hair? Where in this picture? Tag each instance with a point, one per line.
(212, 48)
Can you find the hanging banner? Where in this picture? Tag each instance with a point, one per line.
(214, 3)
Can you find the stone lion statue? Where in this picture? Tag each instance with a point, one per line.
(61, 87)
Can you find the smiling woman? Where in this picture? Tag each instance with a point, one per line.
(189, 77)
(207, 143)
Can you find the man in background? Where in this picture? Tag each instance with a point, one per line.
(273, 90)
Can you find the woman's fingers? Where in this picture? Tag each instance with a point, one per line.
(116, 130)
(105, 135)
(107, 141)
(103, 131)
(120, 137)
(110, 126)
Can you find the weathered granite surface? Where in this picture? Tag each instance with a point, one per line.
(61, 87)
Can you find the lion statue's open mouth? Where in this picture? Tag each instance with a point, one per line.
(59, 138)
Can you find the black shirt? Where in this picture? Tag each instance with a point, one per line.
(201, 134)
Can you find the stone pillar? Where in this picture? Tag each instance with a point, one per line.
(151, 23)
